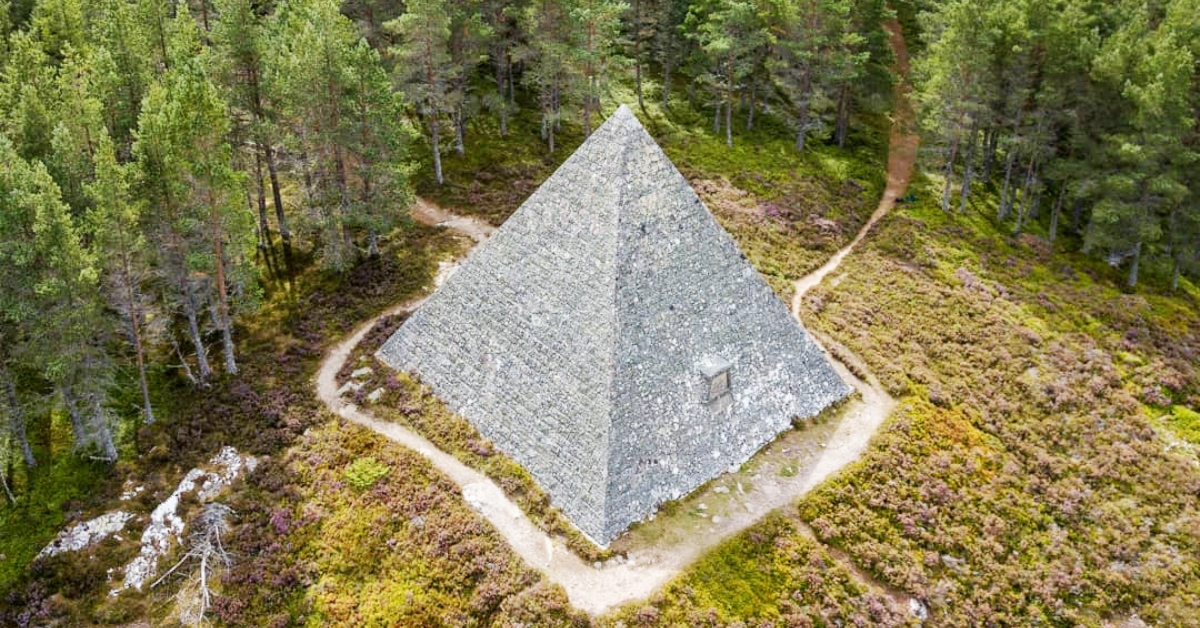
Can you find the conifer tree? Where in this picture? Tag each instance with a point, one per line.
(732, 36)
(424, 68)
(596, 24)
(547, 60)
(48, 313)
(198, 226)
(241, 38)
(115, 227)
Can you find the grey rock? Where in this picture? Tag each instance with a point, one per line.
(613, 340)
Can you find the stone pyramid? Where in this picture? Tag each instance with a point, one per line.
(612, 339)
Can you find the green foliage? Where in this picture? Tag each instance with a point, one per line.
(363, 473)
(33, 521)
(1186, 423)
(1077, 105)
(404, 552)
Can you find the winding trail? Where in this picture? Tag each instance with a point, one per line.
(651, 559)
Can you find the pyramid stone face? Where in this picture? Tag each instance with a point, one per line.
(611, 338)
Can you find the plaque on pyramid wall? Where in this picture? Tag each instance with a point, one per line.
(612, 339)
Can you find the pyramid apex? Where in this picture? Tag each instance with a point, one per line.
(623, 111)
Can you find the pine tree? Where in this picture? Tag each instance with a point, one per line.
(547, 60)
(332, 87)
(242, 40)
(732, 36)
(596, 25)
(48, 306)
(501, 19)
(423, 66)
(816, 55)
(199, 229)
(59, 26)
(115, 224)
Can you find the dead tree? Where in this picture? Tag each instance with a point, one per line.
(206, 549)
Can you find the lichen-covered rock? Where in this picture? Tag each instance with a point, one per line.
(613, 340)
(166, 526)
(87, 533)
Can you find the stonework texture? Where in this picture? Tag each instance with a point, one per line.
(583, 338)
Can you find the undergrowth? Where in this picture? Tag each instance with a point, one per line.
(771, 574)
(1027, 478)
(262, 411)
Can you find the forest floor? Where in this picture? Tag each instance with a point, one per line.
(656, 551)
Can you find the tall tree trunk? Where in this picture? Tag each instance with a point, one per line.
(637, 51)
(1076, 215)
(7, 489)
(16, 417)
(339, 162)
(437, 150)
(512, 84)
(223, 321)
(133, 309)
(1133, 268)
(802, 131)
(666, 85)
(1058, 203)
(135, 330)
(183, 363)
(717, 117)
(729, 123)
(78, 429)
(948, 175)
(1026, 193)
(263, 227)
(189, 311)
(753, 103)
(991, 139)
(1006, 191)
(557, 108)
(729, 106)
(277, 194)
(107, 446)
(587, 107)
(968, 173)
(843, 115)
(460, 124)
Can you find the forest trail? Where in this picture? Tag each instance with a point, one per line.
(902, 156)
(651, 563)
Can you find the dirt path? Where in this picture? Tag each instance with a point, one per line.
(427, 213)
(659, 550)
(902, 155)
